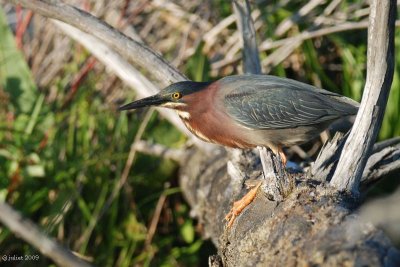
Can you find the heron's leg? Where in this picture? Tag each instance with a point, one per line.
(282, 155)
(238, 206)
(277, 150)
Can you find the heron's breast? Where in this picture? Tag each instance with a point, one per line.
(204, 116)
(216, 128)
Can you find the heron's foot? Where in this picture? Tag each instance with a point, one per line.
(238, 206)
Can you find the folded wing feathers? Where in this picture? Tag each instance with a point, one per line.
(275, 106)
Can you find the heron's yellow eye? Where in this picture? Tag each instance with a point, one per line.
(176, 95)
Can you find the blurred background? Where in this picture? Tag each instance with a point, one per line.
(64, 146)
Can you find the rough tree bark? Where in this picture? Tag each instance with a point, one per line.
(314, 224)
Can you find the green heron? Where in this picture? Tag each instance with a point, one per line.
(247, 111)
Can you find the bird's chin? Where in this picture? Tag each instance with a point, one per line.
(173, 105)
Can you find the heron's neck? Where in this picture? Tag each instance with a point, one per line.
(183, 114)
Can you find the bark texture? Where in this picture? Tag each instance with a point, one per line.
(314, 226)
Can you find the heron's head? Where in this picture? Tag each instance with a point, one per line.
(173, 96)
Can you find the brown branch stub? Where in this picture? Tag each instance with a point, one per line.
(380, 68)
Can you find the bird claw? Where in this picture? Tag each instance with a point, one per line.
(238, 206)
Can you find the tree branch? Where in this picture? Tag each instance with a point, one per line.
(245, 25)
(25, 229)
(158, 150)
(384, 161)
(380, 68)
(127, 73)
(134, 51)
(323, 167)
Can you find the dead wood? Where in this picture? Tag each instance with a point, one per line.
(380, 69)
(314, 226)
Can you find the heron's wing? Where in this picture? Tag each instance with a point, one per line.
(278, 107)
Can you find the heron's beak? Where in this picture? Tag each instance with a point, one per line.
(154, 100)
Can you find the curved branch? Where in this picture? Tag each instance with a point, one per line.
(380, 68)
(30, 233)
(134, 51)
(106, 37)
(127, 73)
